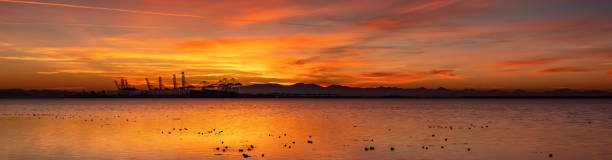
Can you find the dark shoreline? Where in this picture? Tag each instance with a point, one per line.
(350, 97)
(309, 92)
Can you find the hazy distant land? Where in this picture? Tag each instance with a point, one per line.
(300, 90)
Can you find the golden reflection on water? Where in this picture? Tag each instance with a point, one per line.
(337, 128)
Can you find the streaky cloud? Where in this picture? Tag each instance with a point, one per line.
(170, 14)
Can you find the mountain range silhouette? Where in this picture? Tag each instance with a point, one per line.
(345, 91)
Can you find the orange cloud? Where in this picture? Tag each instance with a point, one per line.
(445, 73)
(380, 23)
(562, 70)
(523, 63)
(402, 77)
(388, 77)
(426, 6)
(504, 72)
(287, 42)
(39, 58)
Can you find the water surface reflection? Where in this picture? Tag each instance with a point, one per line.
(305, 129)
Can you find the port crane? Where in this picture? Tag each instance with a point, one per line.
(148, 84)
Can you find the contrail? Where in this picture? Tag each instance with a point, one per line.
(167, 14)
(108, 9)
(91, 25)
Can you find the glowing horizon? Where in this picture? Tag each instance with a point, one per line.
(481, 44)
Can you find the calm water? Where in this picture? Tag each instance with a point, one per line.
(340, 128)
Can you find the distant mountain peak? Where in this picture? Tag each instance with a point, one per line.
(442, 89)
(304, 85)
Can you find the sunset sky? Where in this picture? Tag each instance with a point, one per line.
(481, 44)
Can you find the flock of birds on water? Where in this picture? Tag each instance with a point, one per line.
(246, 149)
